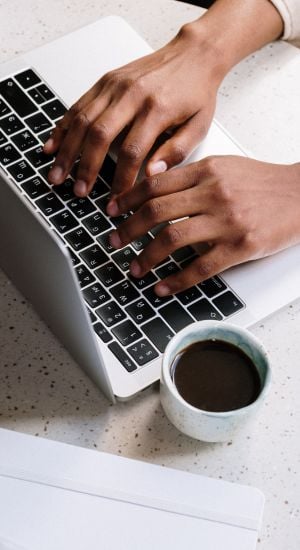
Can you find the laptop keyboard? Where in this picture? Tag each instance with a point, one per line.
(125, 312)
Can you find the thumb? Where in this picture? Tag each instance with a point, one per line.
(178, 147)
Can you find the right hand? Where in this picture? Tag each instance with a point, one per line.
(173, 88)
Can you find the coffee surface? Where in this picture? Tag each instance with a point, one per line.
(216, 376)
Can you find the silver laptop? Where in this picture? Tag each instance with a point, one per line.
(55, 246)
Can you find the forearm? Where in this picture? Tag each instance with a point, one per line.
(236, 28)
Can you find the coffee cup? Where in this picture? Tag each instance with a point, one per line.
(200, 423)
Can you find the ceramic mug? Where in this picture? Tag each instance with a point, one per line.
(201, 424)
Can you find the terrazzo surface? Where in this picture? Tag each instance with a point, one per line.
(43, 391)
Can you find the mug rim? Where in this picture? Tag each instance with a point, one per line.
(166, 375)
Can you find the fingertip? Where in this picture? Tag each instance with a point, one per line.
(156, 167)
(49, 146)
(80, 188)
(162, 289)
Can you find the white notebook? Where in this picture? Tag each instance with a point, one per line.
(55, 496)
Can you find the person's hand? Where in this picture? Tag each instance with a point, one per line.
(174, 87)
(242, 208)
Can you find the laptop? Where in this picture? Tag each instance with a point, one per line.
(58, 496)
(55, 247)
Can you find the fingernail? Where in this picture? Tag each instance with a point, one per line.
(135, 269)
(49, 144)
(112, 208)
(157, 167)
(56, 174)
(115, 240)
(80, 187)
(162, 290)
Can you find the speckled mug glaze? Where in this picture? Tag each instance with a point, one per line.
(205, 425)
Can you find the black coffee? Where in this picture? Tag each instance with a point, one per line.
(216, 376)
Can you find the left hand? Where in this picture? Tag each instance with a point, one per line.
(244, 209)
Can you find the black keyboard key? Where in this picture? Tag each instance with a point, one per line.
(92, 315)
(27, 78)
(127, 333)
(64, 190)
(38, 158)
(36, 96)
(155, 301)
(100, 188)
(45, 92)
(203, 310)
(145, 281)
(212, 287)
(119, 219)
(102, 203)
(183, 253)
(159, 333)
(166, 270)
(122, 356)
(228, 303)
(64, 221)
(46, 135)
(11, 125)
(140, 311)
(102, 332)
(75, 260)
(45, 171)
(49, 204)
(21, 171)
(79, 239)
(8, 154)
(81, 207)
(139, 244)
(85, 277)
(35, 187)
(55, 109)
(16, 98)
(25, 140)
(124, 293)
(95, 295)
(142, 352)
(188, 261)
(94, 256)
(109, 274)
(38, 123)
(175, 316)
(157, 229)
(96, 223)
(188, 296)
(108, 169)
(105, 242)
(3, 138)
(4, 108)
(110, 314)
(124, 257)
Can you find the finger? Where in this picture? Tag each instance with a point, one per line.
(150, 188)
(179, 147)
(171, 238)
(133, 152)
(72, 143)
(156, 211)
(59, 132)
(98, 140)
(209, 264)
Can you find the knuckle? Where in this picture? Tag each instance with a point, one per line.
(150, 186)
(132, 152)
(80, 122)
(171, 236)
(211, 165)
(179, 153)
(99, 134)
(204, 269)
(75, 109)
(152, 211)
(222, 193)
(156, 103)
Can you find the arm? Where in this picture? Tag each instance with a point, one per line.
(174, 87)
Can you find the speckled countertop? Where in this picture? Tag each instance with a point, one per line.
(42, 390)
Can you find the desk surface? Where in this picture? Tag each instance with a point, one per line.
(43, 392)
